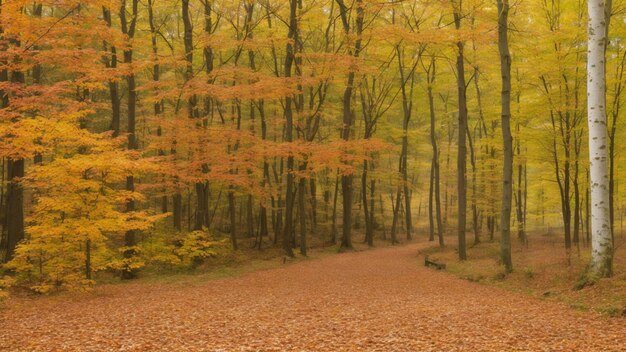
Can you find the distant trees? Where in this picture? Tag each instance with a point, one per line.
(194, 122)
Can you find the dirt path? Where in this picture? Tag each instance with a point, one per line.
(379, 300)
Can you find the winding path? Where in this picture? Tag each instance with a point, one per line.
(378, 300)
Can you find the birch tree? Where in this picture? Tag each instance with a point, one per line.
(601, 239)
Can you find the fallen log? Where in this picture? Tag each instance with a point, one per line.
(431, 263)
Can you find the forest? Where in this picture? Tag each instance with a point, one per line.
(152, 136)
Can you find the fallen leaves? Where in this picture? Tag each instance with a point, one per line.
(379, 300)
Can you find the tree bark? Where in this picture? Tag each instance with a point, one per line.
(431, 205)
(128, 28)
(14, 207)
(602, 242)
(333, 230)
(111, 63)
(348, 114)
(436, 181)
(462, 148)
(289, 102)
(232, 216)
(369, 226)
(13, 226)
(507, 141)
(407, 107)
(156, 76)
(519, 197)
(302, 212)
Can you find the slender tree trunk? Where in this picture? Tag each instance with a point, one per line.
(567, 208)
(396, 211)
(111, 63)
(289, 101)
(14, 207)
(313, 188)
(369, 226)
(374, 224)
(233, 217)
(521, 223)
(615, 112)
(348, 115)
(407, 199)
(302, 211)
(431, 219)
(407, 107)
(200, 214)
(177, 210)
(588, 211)
(577, 220)
(435, 157)
(462, 149)
(474, 181)
(333, 231)
(507, 175)
(264, 231)
(156, 76)
(128, 28)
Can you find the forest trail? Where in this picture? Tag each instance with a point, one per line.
(376, 300)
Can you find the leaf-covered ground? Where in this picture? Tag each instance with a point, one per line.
(379, 300)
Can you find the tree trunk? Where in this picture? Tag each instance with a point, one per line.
(302, 211)
(333, 231)
(14, 207)
(602, 242)
(128, 28)
(313, 188)
(233, 217)
(462, 149)
(407, 107)
(289, 100)
(521, 222)
(507, 141)
(474, 175)
(577, 220)
(14, 203)
(369, 226)
(111, 63)
(201, 211)
(435, 158)
(346, 180)
(396, 211)
(156, 76)
(431, 219)
(177, 211)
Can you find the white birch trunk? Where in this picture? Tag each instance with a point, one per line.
(602, 243)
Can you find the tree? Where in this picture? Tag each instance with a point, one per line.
(507, 140)
(462, 130)
(128, 28)
(434, 210)
(289, 101)
(14, 210)
(601, 239)
(348, 113)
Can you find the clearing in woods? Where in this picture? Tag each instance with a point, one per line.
(378, 300)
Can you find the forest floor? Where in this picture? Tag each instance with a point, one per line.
(544, 269)
(374, 300)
